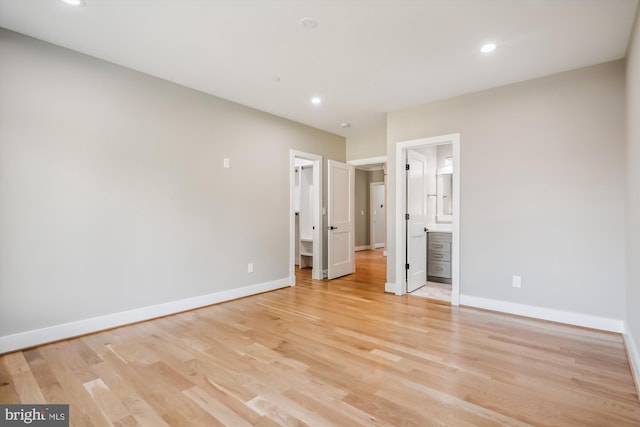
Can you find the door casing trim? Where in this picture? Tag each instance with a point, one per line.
(400, 186)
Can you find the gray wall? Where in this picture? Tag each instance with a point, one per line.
(542, 188)
(371, 143)
(633, 187)
(363, 203)
(362, 206)
(112, 190)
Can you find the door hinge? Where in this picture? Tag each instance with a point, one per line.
(407, 167)
(406, 266)
(407, 216)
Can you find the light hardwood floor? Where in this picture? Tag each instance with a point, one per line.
(332, 353)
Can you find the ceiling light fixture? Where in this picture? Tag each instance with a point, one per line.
(74, 2)
(345, 125)
(489, 47)
(316, 100)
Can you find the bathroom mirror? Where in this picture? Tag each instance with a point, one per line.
(445, 196)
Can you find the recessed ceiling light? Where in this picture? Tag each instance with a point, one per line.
(308, 23)
(345, 125)
(316, 100)
(74, 2)
(489, 47)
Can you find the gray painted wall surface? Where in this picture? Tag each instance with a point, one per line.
(362, 208)
(113, 195)
(633, 185)
(364, 145)
(542, 188)
(363, 203)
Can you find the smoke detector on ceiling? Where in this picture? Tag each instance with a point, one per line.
(308, 23)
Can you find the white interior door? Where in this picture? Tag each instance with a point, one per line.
(417, 221)
(340, 219)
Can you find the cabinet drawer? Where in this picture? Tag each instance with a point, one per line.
(439, 268)
(439, 246)
(440, 255)
(435, 236)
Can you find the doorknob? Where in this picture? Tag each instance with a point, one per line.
(332, 228)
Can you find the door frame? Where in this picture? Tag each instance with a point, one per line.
(372, 209)
(374, 161)
(316, 272)
(400, 226)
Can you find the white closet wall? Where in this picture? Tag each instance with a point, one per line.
(305, 217)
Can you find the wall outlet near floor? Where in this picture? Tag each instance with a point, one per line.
(250, 267)
(516, 282)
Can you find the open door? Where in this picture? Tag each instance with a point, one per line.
(416, 221)
(340, 219)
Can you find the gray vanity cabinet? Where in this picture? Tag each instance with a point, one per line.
(439, 257)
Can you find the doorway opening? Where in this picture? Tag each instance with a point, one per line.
(305, 214)
(412, 199)
(377, 215)
(371, 213)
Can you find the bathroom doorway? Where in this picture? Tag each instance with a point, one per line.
(436, 223)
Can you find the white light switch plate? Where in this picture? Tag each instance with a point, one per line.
(516, 282)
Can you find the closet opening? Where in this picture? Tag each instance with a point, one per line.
(305, 225)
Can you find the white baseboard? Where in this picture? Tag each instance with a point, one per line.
(633, 355)
(362, 248)
(35, 337)
(392, 288)
(384, 253)
(568, 317)
(378, 245)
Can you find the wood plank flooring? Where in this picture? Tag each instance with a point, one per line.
(332, 353)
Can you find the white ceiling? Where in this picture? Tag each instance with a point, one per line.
(364, 58)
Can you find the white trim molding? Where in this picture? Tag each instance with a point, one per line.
(390, 288)
(542, 313)
(49, 334)
(400, 238)
(633, 355)
(368, 161)
(362, 248)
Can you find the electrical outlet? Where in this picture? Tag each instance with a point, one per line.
(250, 268)
(516, 282)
